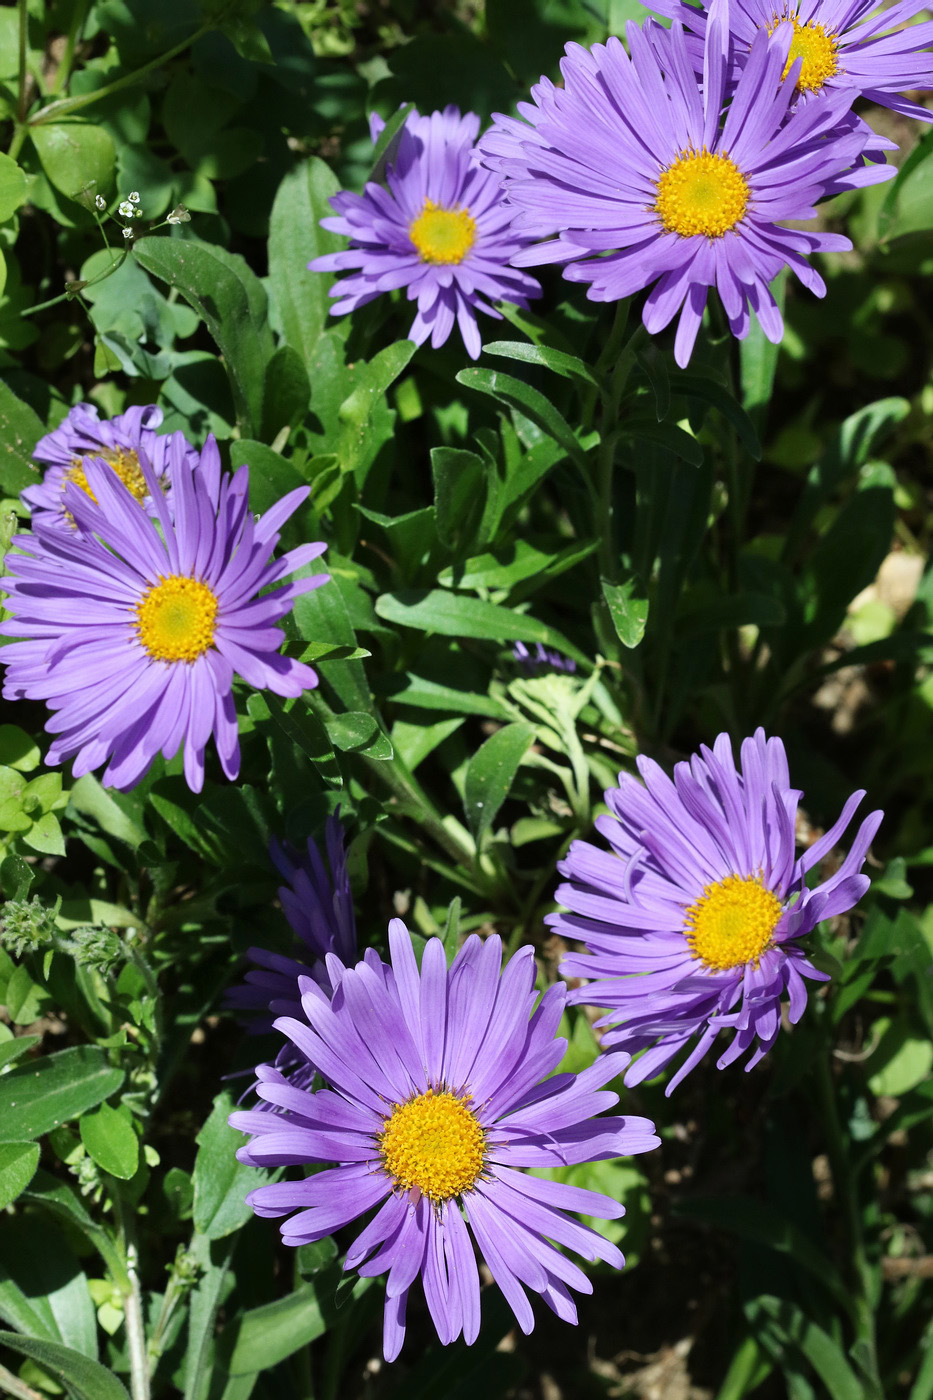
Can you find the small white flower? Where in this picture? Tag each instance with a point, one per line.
(133, 196)
(127, 233)
(126, 209)
(179, 215)
(100, 201)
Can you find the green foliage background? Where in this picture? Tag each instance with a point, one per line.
(744, 543)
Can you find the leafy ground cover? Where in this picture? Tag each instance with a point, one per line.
(545, 561)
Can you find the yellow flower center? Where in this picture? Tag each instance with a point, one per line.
(124, 463)
(817, 49)
(175, 620)
(442, 235)
(701, 193)
(732, 922)
(433, 1144)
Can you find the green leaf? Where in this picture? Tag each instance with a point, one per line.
(491, 773)
(45, 835)
(746, 1218)
(668, 435)
(17, 749)
(758, 358)
(42, 1282)
(908, 201)
(221, 1183)
(312, 1258)
(12, 187)
(514, 563)
(782, 1327)
(386, 136)
(230, 299)
(569, 366)
(694, 386)
(78, 158)
(60, 1202)
(458, 492)
(304, 728)
(46, 1093)
(295, 238)
(12, 1050)
(286, 394)
(108, 1135)
(108, 809)
(358, 732)
(18, 1162)
(628, 609)
(87, 1379)
(264, 1336)
(901, 1060)
(20, 430)
(515, 393)
(756, 609)
(452, 615)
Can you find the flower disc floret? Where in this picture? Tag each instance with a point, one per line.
(638, 165)
(439, 227)
(701, 193)
(122, 461)
(732, 922)
(693, 922)
(438, 1091)
(433, 1144)
(175, 619)
(443, 236)
(861, 47)
(124, 444)
(816, 49)
(105, 614)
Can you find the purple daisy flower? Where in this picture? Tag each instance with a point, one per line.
(318, 904)
(133, 634)
(119, 441)
(441, 229)
(843, 45)
(542, 659)
(636, 162)
(438, 1096)
(693, 922)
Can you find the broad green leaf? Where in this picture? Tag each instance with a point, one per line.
(20, 430)
(354, 444)
(908, 201)
(746, 1218)
(304, 728)
(386, 136)
(18, 1162)
(452, 615)
(11, 1050)
(512, 564)
(901, 1061)
(64, 1206)
(491, 773)
(295, 238)
(287, 393)
(458, 492)
(424, 694)
(12, 187)
(45, 835)
(212, 1288)
(108, 809)
(77, 157)
(231, 301)
(515, 393)
(109, 1137)
(628, 608)
(781, 1325)
(668, 435)
(42, 1282)
(221, 1183)
(46, 1093)
(570, 366)
(758, 358)
(358, 732)
(264, 1336)
(312, 1258)
(695, 386)
(17, 749)
(322, 616)
(87, 1379)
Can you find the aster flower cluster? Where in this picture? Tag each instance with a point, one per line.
(671, 164)
(143, 588)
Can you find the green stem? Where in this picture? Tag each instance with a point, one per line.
(134, 1321)
(846, 1193)
(71, 42)
(70, 296)
(23, 37)
(66, 105)
(11, 1385)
